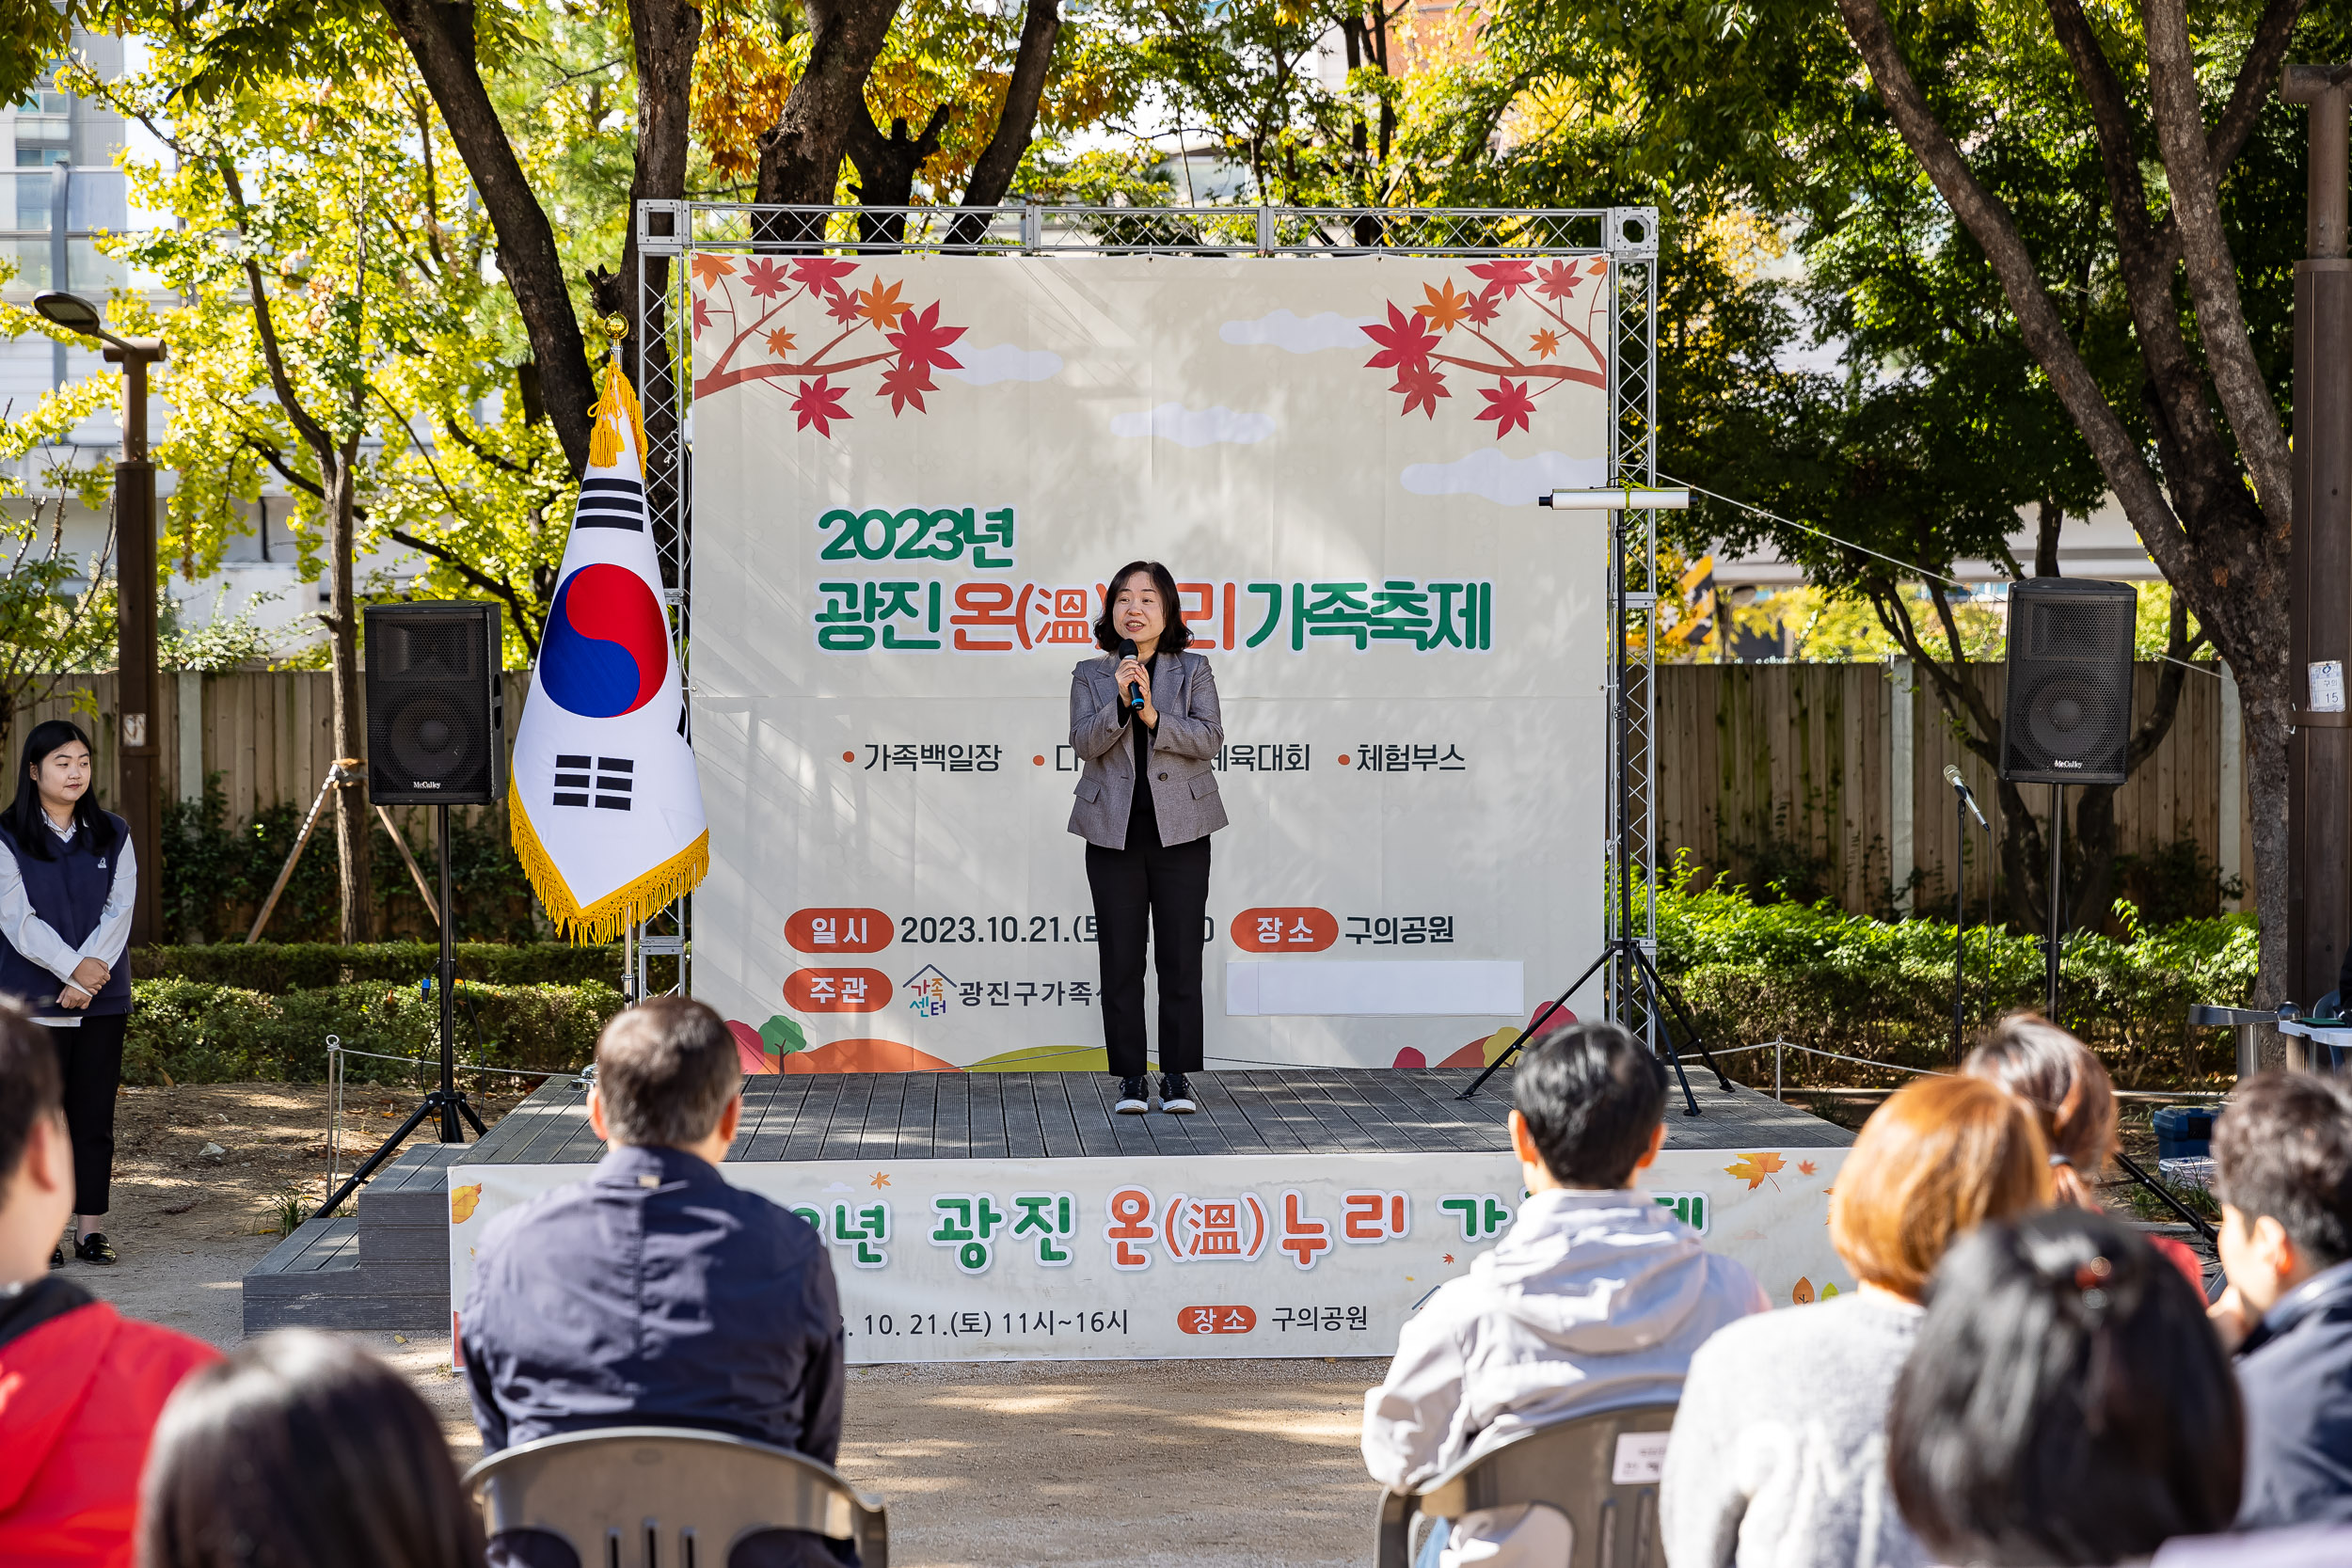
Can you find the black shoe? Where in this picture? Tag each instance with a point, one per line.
(56, 1257)
(1176, 1095)
(95, 1248)
(1135, 1097)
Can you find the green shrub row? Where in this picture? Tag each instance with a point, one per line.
(1812, 975)
(280, 966)
(185, 1031)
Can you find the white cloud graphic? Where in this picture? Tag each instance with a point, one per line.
(1194, 427)
(1510, 480)
(1299, 335)
(985, 367)
(839, 1187)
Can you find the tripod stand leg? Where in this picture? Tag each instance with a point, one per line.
(383, 1151)
(1533, 1024)
(1689, 1026)
(466, 1107)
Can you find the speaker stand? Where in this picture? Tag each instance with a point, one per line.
(447, 1103)
(2057, 839)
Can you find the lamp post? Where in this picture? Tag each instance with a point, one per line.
(139, 737)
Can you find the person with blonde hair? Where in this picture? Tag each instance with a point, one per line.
(2074, 1099)
(1779, 1453)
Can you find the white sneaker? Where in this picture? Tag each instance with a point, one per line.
(1176, 1095)
(1133, 1097)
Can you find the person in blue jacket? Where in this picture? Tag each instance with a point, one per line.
(67, 884)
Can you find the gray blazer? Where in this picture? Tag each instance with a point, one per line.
(1184, 785)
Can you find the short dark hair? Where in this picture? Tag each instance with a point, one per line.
(23, 817)
(2066, 1400)
(2068, 1087)
(31, 1085)
(2284, 1148)
(301, 1448)
(1178, 636)
(665, 1069)
(1593, 1097)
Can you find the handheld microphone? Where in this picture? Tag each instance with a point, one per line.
(1132, 694)
(1951, 776)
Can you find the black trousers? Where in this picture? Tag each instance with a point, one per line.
(90, 1058)
(1171, 886)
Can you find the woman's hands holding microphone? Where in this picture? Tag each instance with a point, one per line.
(1133, 675)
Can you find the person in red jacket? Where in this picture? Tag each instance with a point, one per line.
(80, 1385)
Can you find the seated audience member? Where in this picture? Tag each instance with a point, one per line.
(2074, 1099)
(2283, 1169)
(2065, 1401)
(655, 1294)
(79, 1384)
(302, 1451)
(1779, 1450)
(1595, 1297)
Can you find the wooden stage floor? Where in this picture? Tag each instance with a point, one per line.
(1034, 1116)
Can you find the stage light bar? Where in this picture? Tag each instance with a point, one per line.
(1616, 499)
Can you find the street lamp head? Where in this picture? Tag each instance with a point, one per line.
(70, 311)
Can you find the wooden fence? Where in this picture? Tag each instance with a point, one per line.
(1839, 762)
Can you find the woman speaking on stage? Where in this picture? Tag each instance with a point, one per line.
(1144, 723)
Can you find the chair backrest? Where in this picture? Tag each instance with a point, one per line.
(1601, 1470)
(670, 1497)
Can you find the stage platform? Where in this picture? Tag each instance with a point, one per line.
(1364, 1129)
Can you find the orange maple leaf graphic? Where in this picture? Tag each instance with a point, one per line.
(462, 1201)
(880, 304)
(1445, 311)
(1755, 1168)
(1806, 1167)
(708, 268)
(880, 1180)
(780, 343)
(1544, 344)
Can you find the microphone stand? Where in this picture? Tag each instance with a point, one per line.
(1962, 806)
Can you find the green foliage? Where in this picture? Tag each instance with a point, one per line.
(1812, 975)
(214, 877)
(277, 968)
(197, 1032)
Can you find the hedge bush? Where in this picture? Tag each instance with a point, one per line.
(281, 967)
(185, 1031)
(1812, 975)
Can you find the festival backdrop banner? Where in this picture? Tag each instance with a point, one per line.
(913, 475)
(606, 810)
(1221, 1255)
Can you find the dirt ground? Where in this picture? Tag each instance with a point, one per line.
(1213, 1464)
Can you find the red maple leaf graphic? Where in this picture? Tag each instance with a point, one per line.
(843, 307)
(1483, 306)
(906, 384)
(765, 278)
(702, 314)
(1404, 343)
(1560, 280)
(822, 273)
(1509, 276)
(922, 343)
(1507, 404)
(819, 402)
(1422, 387)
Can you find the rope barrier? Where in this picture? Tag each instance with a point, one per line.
(337, 1051)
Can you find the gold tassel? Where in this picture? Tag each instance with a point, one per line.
(602, 921)
(617, 399)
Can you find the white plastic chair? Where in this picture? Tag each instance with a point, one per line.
(1601, 1470)
(670, 1497)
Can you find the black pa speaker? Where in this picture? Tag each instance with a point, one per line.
(2068, 719)
(436, 721)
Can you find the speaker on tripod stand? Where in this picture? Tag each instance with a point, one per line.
(2067, 718)
(437, 736)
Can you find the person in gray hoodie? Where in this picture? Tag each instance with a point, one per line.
(1595, 1299)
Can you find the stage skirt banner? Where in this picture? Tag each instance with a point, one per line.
(1222, 1255)
(913, 478)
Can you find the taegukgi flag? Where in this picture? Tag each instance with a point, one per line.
(607, 811)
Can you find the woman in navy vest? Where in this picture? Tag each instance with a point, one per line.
(67, 882)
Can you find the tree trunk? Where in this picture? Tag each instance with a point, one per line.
(1016, 122)
(800, 156)
(887, 167)
(354, 887)
(440, 38)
